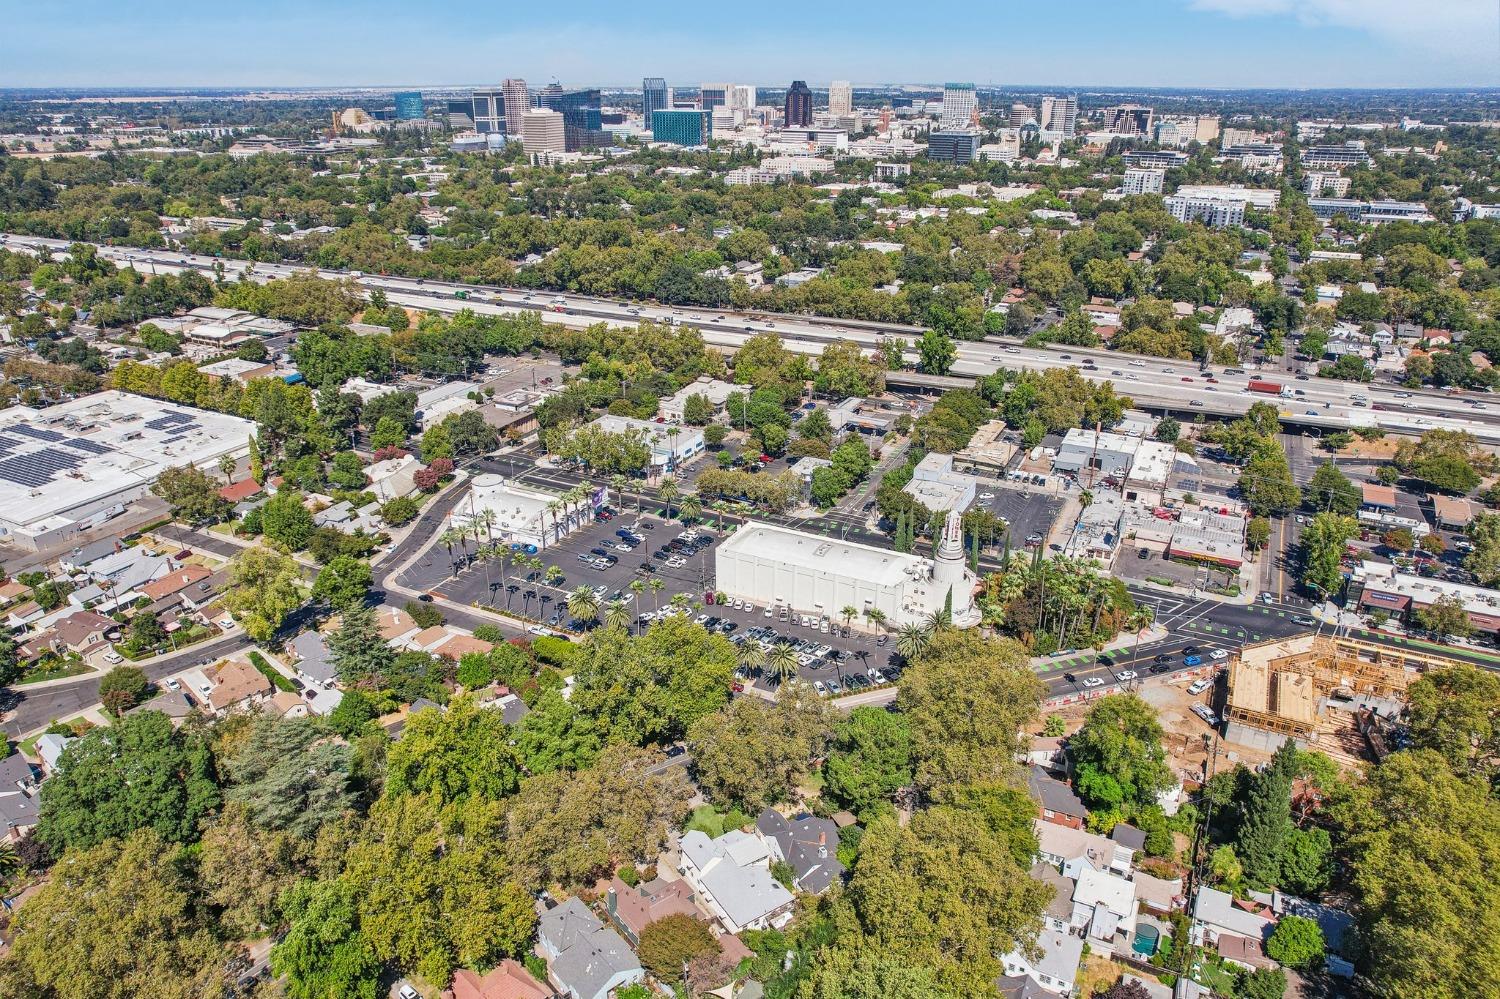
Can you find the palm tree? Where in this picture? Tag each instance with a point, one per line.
(449, 538)
(875, 616)
(679, 600)
(637, 587)
(668, 492)
(617, 614)
(690, 508)
(10, 862)
(553, 506)
(848, 615)
(657, 585)
(783, 662)
(582, 604)
(617, 482)
(912, 640)
(487, 518)
(555, 575)
(752, 657)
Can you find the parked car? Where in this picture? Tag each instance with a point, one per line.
(1126, 675)
(1192, 660)
(1094, 681)
(1199, 686)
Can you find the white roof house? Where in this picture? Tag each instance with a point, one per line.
(1056, 967)
(712, 389)
(732, 876)
(1215, 914)
(1104, 906)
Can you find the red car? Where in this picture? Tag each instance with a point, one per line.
(766, 459)
(1186, 378)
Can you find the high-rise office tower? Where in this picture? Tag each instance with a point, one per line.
(713, 95)
(741, 97)
(1129, 119)
(654, 97)
(683, 128)
(960, 105)
(581, 111)
(840, 98)
(409, 106)
(517, 103)
(1020, 114)
(798, 105)
(542, 131)
(488, 110)
(1059, 114)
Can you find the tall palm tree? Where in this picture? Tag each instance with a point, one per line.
(657, 585)
(617, 482)
(847, 614)
(875, 616)
(617, 614)
(637, 587)
(488, 518)
(752, 657)
(783, 662)
(690, 508)
(668, 492)
(555, 575)
(452, 536)
(912, 640)
(553, 506)
(582, 604)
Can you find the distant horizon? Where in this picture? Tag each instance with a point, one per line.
(1177, 44)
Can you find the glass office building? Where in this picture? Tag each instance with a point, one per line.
(409, 106)
(953, 146)
(582, 123)
(654, 97)
(682, 128)
(797, 109)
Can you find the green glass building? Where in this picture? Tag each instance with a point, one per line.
(682, 127)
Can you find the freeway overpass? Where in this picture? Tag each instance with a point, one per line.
(1153, 383)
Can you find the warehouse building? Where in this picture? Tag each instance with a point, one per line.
(815, 575)
(73, 466)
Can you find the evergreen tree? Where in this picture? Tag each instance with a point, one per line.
(1266, 823)
(357, 649)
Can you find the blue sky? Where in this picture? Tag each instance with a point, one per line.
(1221, 43)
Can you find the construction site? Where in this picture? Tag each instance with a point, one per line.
(1337, 695)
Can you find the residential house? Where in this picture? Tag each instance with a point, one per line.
(507, 980)
(18, 806)
(732, 878)
(83, 632)
(1217, 914)
(1334, 923)
(1128, 842)
(176, 705)
(1074, 850)
(314, 662)
(394, 623)
(393, 477)
(634, 909)
(238, 492)
(1056, 800)
(500, 697)
(809, 844)
(11, 591)
(1157, 895)
(230, 684)
(176, 581)
(78, 558)
(1243, 952)
(1059, 912)
(1104, 908)
(1055, 968)
(50, 747)
(24, 614)
(125, 572)
(1047, 752)
(585, 959)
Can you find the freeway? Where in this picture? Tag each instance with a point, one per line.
(1152, 382)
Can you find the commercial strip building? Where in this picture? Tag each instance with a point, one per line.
(670, 445)
(938, 487)
(1370, 211)
(72, 466)
(1379, 586)
(520, 514)
(815, 575)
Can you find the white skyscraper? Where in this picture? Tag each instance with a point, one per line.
(840, 98)
(960, 105)
(1060, 114)
(741, 97)
(542, 132)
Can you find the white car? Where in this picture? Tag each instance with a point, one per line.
(769, 612)
(750, 608)
(986, 495)
(818, 686)
(1198, 686)
(1218, 654)
(1094, 681)
(113, 658)
(174, 684)
(1126, 674)
(536, 629)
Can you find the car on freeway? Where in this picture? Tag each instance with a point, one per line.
(1094, 681)
(1192, 660)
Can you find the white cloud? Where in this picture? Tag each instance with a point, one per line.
(1465, 29)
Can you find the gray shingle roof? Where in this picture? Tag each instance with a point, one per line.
(588, 954)
(809, 844)
(1054, 795)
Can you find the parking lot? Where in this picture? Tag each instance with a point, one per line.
(1029, 511)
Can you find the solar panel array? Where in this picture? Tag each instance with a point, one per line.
(91, 447)
(38, 468)
(172, 421)
(38, 433)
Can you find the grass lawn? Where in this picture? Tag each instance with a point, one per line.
(712, 822)
(57, 671)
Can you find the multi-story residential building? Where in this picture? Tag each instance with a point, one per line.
(960, 105)
(1143, 181)
(1352, 153)
(409, 106)
(487, 109)
(840, 98)
(1325, 184)
(655, 96)
(1213, 212)
(1129, 119)
(1020, 114)
(713, 95)
(1208, 128)
(1060, 115)
(517, 103)
(958, 145)
(797, 108)
(1162, 159)
(543, 131)
(1264, 199)
(682, 128)
(1238, 137)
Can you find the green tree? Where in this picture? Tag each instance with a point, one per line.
(754, 752)
(1455, 711)
(1121, 740)
(1266, 483)
(437, 443)
(192, 494)
(285, 520)
(389, 432)
(359, 653)
(870, 759)
(697, 410)
(123, 688)
(289, 776)
(1266, 819)
(1257, 534)
(669, 943)
(116, 920)
(243, 871)
(1168, 430)
(937, 353)
(1323, 542)
(324, 953)
(1330, 491)
(264, 587)
(452, 755)
(343, 583)
(1445, 618)
(138, 773)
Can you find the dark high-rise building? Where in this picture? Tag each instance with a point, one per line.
(654, 97)
(582, 124)
(953, 145)
(488, 110)
(799, 105)
(409, 106)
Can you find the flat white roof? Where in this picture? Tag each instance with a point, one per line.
(813, 551)
(81, 453)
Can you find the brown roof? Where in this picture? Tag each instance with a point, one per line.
(1452, 509)
(637, 908)
(393, 622)
(13, 590)
(459, 646)
(239, 491)
(172, 582)
(507, 980)
(83, 628)
(1377, 495)
(1244, 950)
(429, 636)
(233, 682)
